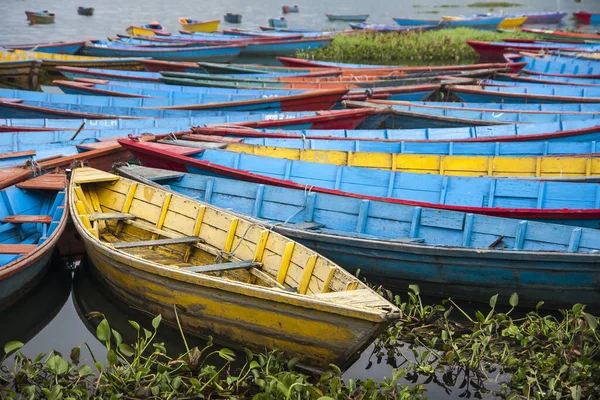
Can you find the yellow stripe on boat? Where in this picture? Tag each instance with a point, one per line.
(548, 166)
(199, 26)
(511, 23)
(50, 61)
(228, 277)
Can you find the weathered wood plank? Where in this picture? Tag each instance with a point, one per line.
(158, 242)
(17, 248)
(110, 216)
(27, 219)
(16, 154)
(223, 267)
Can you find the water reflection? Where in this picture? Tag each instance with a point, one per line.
(25, 319)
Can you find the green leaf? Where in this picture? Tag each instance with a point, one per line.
(156, 321)
(75, 355)
(135, 325)
(249, 354)
(514, 300)
(117, 336)
(591, 320)
(292, 363)
(147, 333)
(103, 331)
(98, 366)
(415, 289)
(226, 354)
(126, 350)
(176, 382)
(112, 358)
(85, 370)
(493, 301)
(254, 364)
(538, 306)
(12, 346)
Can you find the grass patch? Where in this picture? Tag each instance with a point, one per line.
(448, 6)
(444, 46)
(429, 12)
(485, 4)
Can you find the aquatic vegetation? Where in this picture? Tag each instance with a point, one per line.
(444, 45)
(144, 369)
(492, 4)
(530, 355)
(544, 356)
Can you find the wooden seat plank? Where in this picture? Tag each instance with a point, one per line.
(17, 154)
(153, 174)
(97, 145)
(27, 219)
(158, 242)
(90, 175)
(45, 182)
(195, 144)
(110, 216)
(17, 248)
(11, 175)
(223, 267)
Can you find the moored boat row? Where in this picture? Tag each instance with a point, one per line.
(252, 194)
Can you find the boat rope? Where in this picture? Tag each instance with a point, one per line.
(227, 255)
(36, 168)
(307, 191)
(497, 115)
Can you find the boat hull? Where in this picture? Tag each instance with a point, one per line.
(206, 26)
(232, 18)
(213, 54)
(587, 18)
(347, 18)
(20, 74)
(415, 22)
(233, 317)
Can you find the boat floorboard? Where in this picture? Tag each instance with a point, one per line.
(45, 182)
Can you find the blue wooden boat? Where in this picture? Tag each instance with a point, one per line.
(32, 218)
(119, 89)
(486, 23)
(562, 202)
(544, 79)
(40, 17)
(290, 9)
(524, 94)
(391, 28)
(316, 100)
(130, 102)
(232, 18)
(87, 11)
(542, 17)
(420, 116)
(48, 143)
(41, 109)
(558, 66)
(506, 149)
(415, 22)
(586, 17)
(347, 17)
(54, 48)
(212, 53)
(447, 253)
(573, 130)
(343, 119)
(285, 47)
(278, 22)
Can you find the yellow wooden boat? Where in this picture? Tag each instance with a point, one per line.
(512, 23)
(50, 61)
(193, 25)
(543, 166)
(228, 277)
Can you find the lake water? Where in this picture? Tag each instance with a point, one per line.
(54, 316)
(113, 17)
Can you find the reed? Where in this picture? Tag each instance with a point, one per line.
(444, 45)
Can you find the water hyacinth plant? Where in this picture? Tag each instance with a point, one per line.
(526, 356)
(442, 46)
